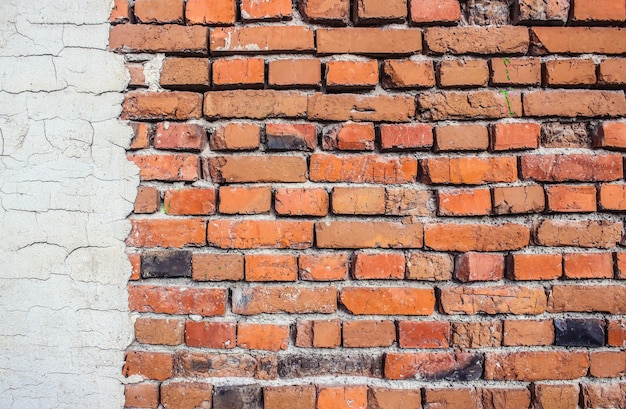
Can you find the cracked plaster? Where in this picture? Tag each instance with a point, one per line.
(65, 191)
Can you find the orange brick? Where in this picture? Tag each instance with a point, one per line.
(135, 262)
(120, 12)
(435, 11)
(181, 72)
(207, 302)
(572, 167)
(386, 398)
(369, 41)
(607, 364)
(137, 77)
(274, 39)
(535, 266)
(450, 398)
(587, 298)
(414, 136)
(267, 168)
(493, 300)
(342, 397)
(515, 71)
(142, 133)
(380, 266)
(567, 198)
(262, 336)
(294, 136)
(514, 136)
(169, 38)
(236, 136)
(476, 237)
(528, 333)
(611, 135)
(324, 11)
(388, 301)
(159, 11)
(253, 10)
(477, 40)
(613, 197)
(362, 169)
(364, 234)
(250, 234)
(599, 40)
(255, 104)
(351, 74)
(518, 199)
(470, 170)
(599, 10)
(620, 262)
(612, 71)
(464, 202)
(301, 202)
(149, 365)
(463, 73)
(271, 267)
(578, 233)
(186, 395)
(461, 138)
(189, 202)
(445, 105)
(531, 365)
(326, 334)
(283, 397)
(367, 334)
(204, 334)
(323, 266)
(479, 267)
(588, 265)
(173, 105)
(239, 71)
(159, 331)
(301, 72)
(166, 232)
(361, 108)
(245, 200)
(141, 395)
(408, 74)
(424, 334)
(349, 136)
(570, 72)
(217, 267)
(358, 200)
(148, 200)
(574, 103)
(373, 11)
(210, 11)
(169, 168)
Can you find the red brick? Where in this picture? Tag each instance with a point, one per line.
(424, 334)
(169, 168)
(461, 138)
(245, 200)
(479, 267)
(148, 200)
(559, 396)
(588, 265)
(236, 136)
(535, 266)
(252, 10)
(302, 72)
(135, 263)
(599, 10)
(409, 202)
(463, 73)
(179, 136)
(365, 334)
(356, 107)
(531, 365)
(241, 72)
(351, 74)
(342, 397)
(578, 233)
(174, 105)
(142, 134)
(141, 395)
(526, 11)
(217, 267)
(620, 262)
(324, 11)
(323, 266)
(444, 105)
(607, 364)
(267, 168)
(301, 202)
(611, 135)
(250, 234)
(385, 398)
(252, 39)
(604, 395)
(425, 365)
(570, 72)
(381, 266)
(515, 71)
(358, 200)
(613, 197)
(470, 170)
(254, 104)
(476, 237)
(149, 365)
(493, 300)
(373, 12)
(500, 398)
(612, 71)
(363, 234)
(518, 199)
(203, 334)
(369, 41)
(349, 136)
(362, 169)
(169, 38)
(408, 74)
(616, 333)
(137, 78)
(413, 136)
(283, 397)
(528, 333)
(587, 298)
(450, 398)
(166, 233)
(477, 40)
(482, 334)
(210, 11)
(435, 11)
(189, 202)
(271, 267)
(120, 12)
(293, 300)
(294, 136)
(186, 395)
(267, 337)
(598, 40)
(464, 202)
(177, 300)
(572, 167)
(156, 331)
(515, 136)
(568, 198)
(429, 266)
(388, 300)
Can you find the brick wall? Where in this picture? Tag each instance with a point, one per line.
(376, 204)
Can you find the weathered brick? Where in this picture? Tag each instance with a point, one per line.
(236, 136)
(120, 12)
(157, 331)
(323, 266)
(514, 136)
(177, 300)
(409, 202)
(250, 234)
(267, 168)
(429, 266)
(169, 38)
(463, 73)
(588, 265)
(568, 198)
(142, 134)
(587, 298)
(529, 11)
(363, 334)
(501, 398)
(373, 12)
(528, 333)
(367, 266)
(210, 11)
(358, 200)
(245, 200)
(408, 74)
(531, 365)
(369, 41)
(574, 103)
(336, 12)
(349, 136)
(402, 137)
(438, 11)
(460, 366)
(293, 300)
(493, 300)
(135, 264)
(184, 72)
(570, 72)
(470, 170)
(469, 104)
(179, 136)
(240, 72)
(174, 105)
(355, 107)
(479, 267)
(148, 200)
(267, 337)
(599, 40)
(295, 136)
(604, 395)
(482, 334)
(136, 72)
(266, 39)
(464, 202)
(141, 395)
(167, 233)
(450, 398)
(324, 364)
(616, 333)
(388, 301)
(507, 71)
(476, 237)
(252, 10)
(255, 104)
(283, 397)
(387, 398)
(186, 395)
(535, 266)
(168, 168)
(271, 267)
(217, 267)
(548, 396)
(209, 365)
(461, 138)
(565, 135)
(149, 365)
(301, 72)
(342, 397)
(362, 169)
(351, 74)
(612, 71)
(572, 167)
(189, 202)
(579, 233)
(358, 234)
(423, 334)
(579, 332)
(165, 264)
(477, 40)
(203, 334)
(599, 10)
(301, 202)
(613, 197)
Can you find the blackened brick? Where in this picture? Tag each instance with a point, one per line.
(297, 366)
(238, 397)
(576, 332)
(166, 264)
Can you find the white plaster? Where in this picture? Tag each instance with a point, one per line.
(65, 191)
